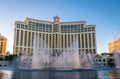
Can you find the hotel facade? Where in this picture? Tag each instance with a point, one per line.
(56, 35)
(114, 45)
(3, 42)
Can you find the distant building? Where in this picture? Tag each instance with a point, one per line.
(97, 60)
(104, 59)
(111, 61)
(3, 42)
(56, 35)
(114, 45)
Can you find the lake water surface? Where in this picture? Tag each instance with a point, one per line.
(51, 74)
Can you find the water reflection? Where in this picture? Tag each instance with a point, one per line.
(101, 74)
(115, 74)
(5, 74)
(56, 75)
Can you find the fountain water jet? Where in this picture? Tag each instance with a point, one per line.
(41, 55)
(116, 57)
(68, 59)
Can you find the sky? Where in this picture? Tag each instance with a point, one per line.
(105, 14)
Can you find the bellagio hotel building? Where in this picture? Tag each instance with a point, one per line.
(56, 35)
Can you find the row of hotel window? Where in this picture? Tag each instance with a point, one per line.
(81, 51)
(63, 29)
(86, 39)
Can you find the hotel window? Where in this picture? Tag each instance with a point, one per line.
(82, 40)
(21, 40)
(86, 40)
(47, 28)
(72, 40)
(39, 38)
(65, 41)
(20, 50)
(86, 51)
(25, 38)
(46, 40)
(26, 27)
(33, 28)
(56, 40)
(18, 25)
(79, 40)
(33, 24)
(50, 28)
(86, 29)
(82, 25)
(93, 29)
(65, 28)
(37, 24)
(53, 40)
(29, 38)
(94, 51)
(30, 23)
(43, 27)
(62, 41)
(17, 37)
(68, 40)
(89, 29)
(78, 25)
(93, 35)
(22, 26)
(29, 27)
(78, 29)
(50, 40)
(89, 40)
(72, 28)
(43, 40)
(55, 27)
(40, 24)
(28, 50)
(75, 29)
(62, 28)
(40, 27)
(36, 28)
(68, 28)
(33, 39)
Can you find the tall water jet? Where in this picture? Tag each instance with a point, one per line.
(69, 58)
(75, 52)
(41, 55)
(116, 57)
(22, 62)
(25, 62)
(87, 60)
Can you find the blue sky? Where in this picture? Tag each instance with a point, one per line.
(105, 14)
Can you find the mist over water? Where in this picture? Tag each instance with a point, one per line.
(43, 57)
(116, 57)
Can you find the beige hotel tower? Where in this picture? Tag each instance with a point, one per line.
(3, 43)
(56, 35)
